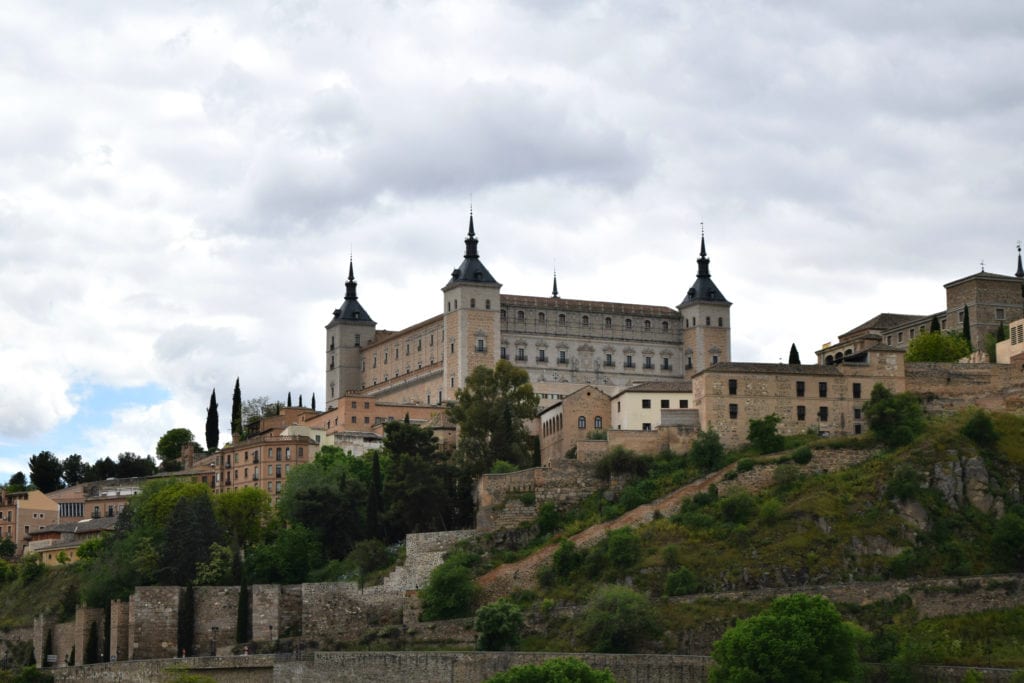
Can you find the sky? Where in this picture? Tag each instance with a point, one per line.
(182, 184)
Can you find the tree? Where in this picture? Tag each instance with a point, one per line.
(798, 638)
(450, 592)
(794, 355)
(243, 515)
(73, 470)
(373, 502)
(7, 548)
(130, 465)
(764, 434)
(104, 468)
(617, 619)
(558, 670)
(491, 412)
(707, 450)
(1008, 542)
(967, 327)
(993, 338)
(236, 412)
(168, 448)
(935, 327)
(937, 347)
(212, 424)
(369, 556)
(289, 399)
(499, 625)
(254, 409)
(45, 471)
(894, 418)
(414, 486)
(192, 529)
(17, 482)
(312, 402)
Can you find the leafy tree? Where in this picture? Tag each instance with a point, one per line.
(937, 347)
(491, 412)
(739, 508)
(414, 485)
(618, 619)
(450, 592)
(236, 412)
(707, 451)
(499, 624)
(935, 327)
(764, 434)
(45, 471)
(1008, 542)
(212, 424)
(17, 482)
(798, 638)
(7, 548)
(566, 559)
(682, 581)
(369, 556)
(168, 448)
(288, 558)
(243, 515)
(980, 430)
(131, 465)
(794, 355)
(894, 418)
(255, 408)
(558, 670)
(104, 468)
(193, 529)
(73, 470)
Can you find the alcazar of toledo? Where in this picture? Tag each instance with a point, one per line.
(643, 376)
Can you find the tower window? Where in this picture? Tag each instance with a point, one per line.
(714, 360)
(472, 303)
(732, 387)
(541, 318)
(607, 322)
(480, 345)
(561, 318)
(734, 411)
(720, 322)
(585, 321)
(822, 389)
(582, 422)
(520, 316)
(647, 324)
(629, 323)
(664, 326)
(801, 412)
(487, 304)
(707, 321)
(856, 389)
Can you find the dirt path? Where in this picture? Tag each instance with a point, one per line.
(523, 574)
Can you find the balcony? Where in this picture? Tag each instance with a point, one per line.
(563, 361)
(629, 364)
(542, 359)
(609, 364)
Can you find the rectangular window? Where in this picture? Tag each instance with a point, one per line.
(520, 354)
(366, 405)
(801, 412)
(799, 388)
(732, 387)
(664, 364)
(683, 403)
(822, 389)
(608, 362)
(734, 411)
(542, 356)
(645, 403)
(353, 404)
(856, 389)
(1000, 314)
(664, 403)
(899, 337)
(888, 339)
(561, 357)
(353, 419)
(648, 363)
(504, 353)
(823, 413)
(480, 345)
(856, 429)
(629, 361)
(646, 426)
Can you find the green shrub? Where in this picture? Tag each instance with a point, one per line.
(621, 461)
(450, 593)
(894, 418)
(623, 547)
(763, 434)
(1008, 542)
(548, 518)
(681, 582)
(980, 430)
(499, 625)
(785, 476)
(904, 485)
(739, 508)
(562, 670)
(566, 559)
(802, 455)
(745, 465)
(617, 620)
(503, 467)
(527, 497)
(707, 451)
(771, 510)
(597, 435)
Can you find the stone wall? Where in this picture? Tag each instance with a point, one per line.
(153, 622)
(62, 641)
(761, 477)
(473, 667)
(16, 643)
(949, 387)
(85, 617)
(334, 612)
(118, 630)
(423, 553)
(652, 442)
(251, 669)
(500, 497)
(215, 607)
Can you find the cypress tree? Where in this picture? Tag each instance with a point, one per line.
(935, 324)
(300, 400)
(187, 621)
(312, 403)
(373, 503)
(967, 328)
(236, 412)
(212, 423)
(243, 627)
(290, 399)
(794, 355)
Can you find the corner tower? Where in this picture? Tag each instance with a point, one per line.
(349, 329)
(472, 321)
(707, 338)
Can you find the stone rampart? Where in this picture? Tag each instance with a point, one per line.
(85, 618)
(473, 667)
(424, 552)
(153, 622)
(118, 630)
(215, 607)
(59, 636)
(507, 500)
(652, 442)
(241, 669)
(335, 612)
(949, 387)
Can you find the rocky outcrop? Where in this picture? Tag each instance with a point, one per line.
(965, 481)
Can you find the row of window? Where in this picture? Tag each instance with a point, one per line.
(287, 452)
(801, 388)
(584, 321)
(801, 413)
(453, 305)
(563, 359)
(665, 403)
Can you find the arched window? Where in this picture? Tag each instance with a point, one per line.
(585, 321)
(598, 423)
(541, 318)
(647, 324)
(561, 318)
(520, 316)
(607, 322)
(629, 323)
(664, 326)
(582, 422)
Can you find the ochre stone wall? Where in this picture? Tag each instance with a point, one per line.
(334, 612)
(118, 630)
(500, 496)
(215, 606)
(675, 439)
(85, 617)
(153, 622)
(949, 387)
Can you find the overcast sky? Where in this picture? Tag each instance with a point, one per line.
(181, 183)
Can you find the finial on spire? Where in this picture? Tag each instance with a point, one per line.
(1020, 266)
(554, 285)
(351, 273)
(703, 251)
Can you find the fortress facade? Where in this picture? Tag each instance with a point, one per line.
(564, 344)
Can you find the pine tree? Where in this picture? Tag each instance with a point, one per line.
(794, 355)
(967, 327)
(290, 399)
(212, 423)
(236, 412)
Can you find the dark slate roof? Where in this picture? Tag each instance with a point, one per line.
(885, 321)
(509, 301)
(351, 310)
(771, 369)
(684, 386)
(703, 288)
(471, 269)
(82, 526)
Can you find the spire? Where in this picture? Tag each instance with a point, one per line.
(351, 309)
(471, 240)
(703, 288)
(554, 286)
(1020, 267)
(703, 262)
(350, 285)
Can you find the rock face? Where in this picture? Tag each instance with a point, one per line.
(965, 481)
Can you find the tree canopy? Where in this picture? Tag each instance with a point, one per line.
(894, 418)
(798, 638)
(45, 471)
(212, 424)
(937, 347)
(168, 448)
(558, 670)
(764, 434)
(490, 412)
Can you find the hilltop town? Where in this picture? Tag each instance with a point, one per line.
(608, 379)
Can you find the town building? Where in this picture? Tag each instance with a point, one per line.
(563, 344)
(59, 543)
(22, 512)
(652, 404)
